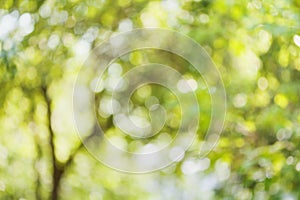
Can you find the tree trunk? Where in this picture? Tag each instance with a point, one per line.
(56, 177)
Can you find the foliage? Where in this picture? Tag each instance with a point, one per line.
(255, 46)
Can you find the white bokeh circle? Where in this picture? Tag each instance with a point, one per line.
(150, 38)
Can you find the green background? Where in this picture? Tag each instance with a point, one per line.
(255, 46)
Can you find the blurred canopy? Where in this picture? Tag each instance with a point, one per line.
(255, 45)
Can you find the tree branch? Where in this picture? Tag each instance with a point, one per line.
(57, 171)
(59, 168)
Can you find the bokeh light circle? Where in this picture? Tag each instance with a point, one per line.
(150, 38)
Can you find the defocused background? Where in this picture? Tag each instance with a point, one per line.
(255, 45)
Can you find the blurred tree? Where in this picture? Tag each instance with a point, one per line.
(254, 43)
